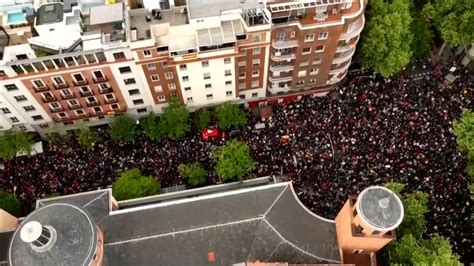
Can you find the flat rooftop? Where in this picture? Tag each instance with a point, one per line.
(49, 13)
(208, 8)
(266, 223)
(142, 19)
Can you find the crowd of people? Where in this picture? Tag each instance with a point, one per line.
(369, 131)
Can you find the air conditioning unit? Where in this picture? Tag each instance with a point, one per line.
(278, 53)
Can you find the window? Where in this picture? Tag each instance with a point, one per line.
(161, 98)
(242, 63)
(151, 66)
(174, 95)
(172, 86)
(190, 99)
(255, 95)
(91, 100)
(29, 108)
(20, 98)
(293, 34)
(314, 71)
(78, 77)
(301, 73)
(134, 92)
(154, 78)
(304, 62)
(38, 83)
(124, 70)
(228, 93)
(62, 115)
(319, 48)
(242, 96)
(207, 86)
(357, 251)
(146, 53)
(79, 112)
(55, 105)
(85, 90)
(316, 61)
(58, 80)
(312, 81)
(164, 63)
(243, 52)
(242, 86)
(183, 67)
(209, 96)
(256, 62)
(37, 117)
(158, 89)
(280, 36)
(256, 50)
(256, 37)
(306, 50)
(97, 109)
(309, 38)
(207, 75)
(187, 88)
(120, 55)
(255, 73)
(169, 75)
(11, 87)
(228, 73)
(241, 75)
(255, 83)
(323, 36)
(228, 82)
(73, 103)
(300, 83)
(227, 61)
(205, 63)
(14, 119)
(98, 75)
(43, 126)
(185, 78)
(140, 110)
(6, 110)
(129, 81)
(138, 101)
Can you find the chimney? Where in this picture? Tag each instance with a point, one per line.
(41, 238)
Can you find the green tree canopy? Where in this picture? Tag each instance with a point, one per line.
(453, 19)
(387, 45)
(422, 36)
(194, 172)
(13, 142)
(149, 124)
(233, 161)
(412, 251)
(202, 119)
(230, 115)
(122, 128)
(86, 137)
(464, 132)
(174, 121)
(132, 184)
(9, 203)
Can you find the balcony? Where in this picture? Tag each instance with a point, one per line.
(281, 88)
(114, 100)
(282, 56)
(343, 57)
(86, 93)
(80, 82)
(284, 78)
(339, 69)
(40, 89)
(100, 79)
(105, 90)
(48, 99)
(67, 96)
(280, 68)
(74, 107)
(92, 104)
(354, 29)
(54, 110)
(61, 86)
(283, 44)
(347, 46)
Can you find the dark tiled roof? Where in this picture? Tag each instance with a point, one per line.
(5, 238)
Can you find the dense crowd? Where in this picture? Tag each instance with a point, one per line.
(369, 131)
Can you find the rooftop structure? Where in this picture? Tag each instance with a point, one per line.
(49, 13)
(204, 9)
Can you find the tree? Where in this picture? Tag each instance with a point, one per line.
(230, 115)
(174, 121)
(9, 203)
(149, 125)
(132, 184)
(122, 128)
(23, 142)
(233, 161)
(464, 132)
(434, 251)
(422, 36)
(86, 137)
(202, 119)
(387, 45)
(13, 142)
(453, 19)
(194, 172)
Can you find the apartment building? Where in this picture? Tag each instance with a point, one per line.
(85, 61)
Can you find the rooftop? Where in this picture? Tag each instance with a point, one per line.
(266, 223)
(49, 13)
(205, 8)
(142, 20)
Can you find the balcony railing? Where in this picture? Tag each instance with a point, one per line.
(61, 86)
(105, 90)
(280, 79)
(279, 89)
(57, 109)
(67, 96)
(346, 47)
(355, 30)
(74, 107)
(343, 57)
(92, 104)
(86, 93)
(49, 99)
(281, 68)
(282, 44)
(282, 57)
(99, 80)
(80, 82)
(114, 100)
(40, 89)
